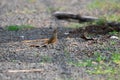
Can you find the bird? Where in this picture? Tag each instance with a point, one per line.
(52, 40)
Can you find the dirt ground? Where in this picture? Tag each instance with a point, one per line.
(52, 61)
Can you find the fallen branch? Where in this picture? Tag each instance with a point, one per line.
(67, 16)
(112, 24)
(31, 70)
(80, 18)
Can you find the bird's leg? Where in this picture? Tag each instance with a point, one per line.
(53, 46)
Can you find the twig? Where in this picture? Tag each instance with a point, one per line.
(67, 16)
(80, 18)
(30, 70)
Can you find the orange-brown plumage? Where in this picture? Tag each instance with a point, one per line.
(53, 38)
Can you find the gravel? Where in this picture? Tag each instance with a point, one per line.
(17, 55)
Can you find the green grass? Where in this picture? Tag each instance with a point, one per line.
(31, 1)
(102, 69)
(81, 63)
(98, 57)
(112, 17)
(116, 58)
(76, 25)
(113, 42)
(52, 9)
(113, 33)
(104, 61)
(101, 21)
(18, 27)
(99, 64)
(105, 65)
(46, 59)
(110, 8)
(104, 4)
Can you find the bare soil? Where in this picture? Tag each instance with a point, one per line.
(15, 54)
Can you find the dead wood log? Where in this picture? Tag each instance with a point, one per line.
(80, 18)
(67, 16)
(112, 24)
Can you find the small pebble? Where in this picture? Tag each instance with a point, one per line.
(114, 37)
(22, 37)
(66, 33)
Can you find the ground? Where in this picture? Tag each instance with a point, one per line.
(55, 63)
